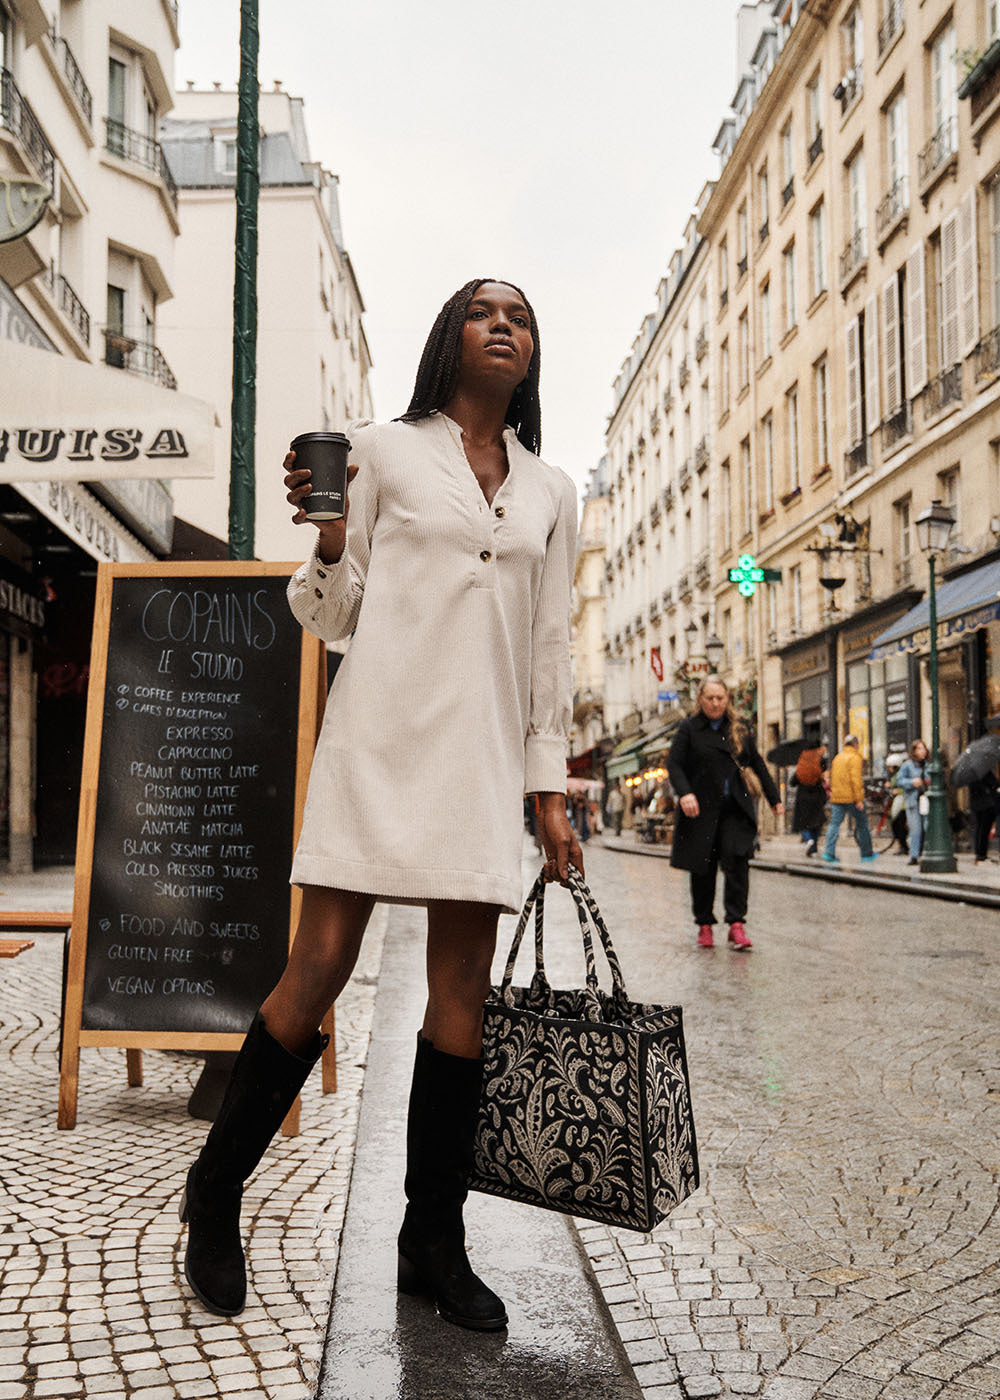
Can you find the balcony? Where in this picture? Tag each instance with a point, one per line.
(139, 149)
(668, 398)
(654, 422)
(638, 624)
(702, 571)
(654, 610)
(939, 156)
(701, 345)
(668, 498)
(987, 354)
(137, 357)
(683, 372)
(890, 27)
(982, 87)
(765, 230)
(723, 299)
(654, 512)
(853, 258)
(895, 428)
(701, 454)
(788, 192)
(741, 266)
(815, 149)
(667, 598)
(856, 458)
(850, 88)
(71, 71)
(17, 116)
(944, 389)
(68, 302)
(683, 586)
(640, 532)
(684, 475)
(892, 209)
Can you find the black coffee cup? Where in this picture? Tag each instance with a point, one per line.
(325, 456)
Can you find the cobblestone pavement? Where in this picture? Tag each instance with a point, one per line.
(93, 1300)
(846, 1079)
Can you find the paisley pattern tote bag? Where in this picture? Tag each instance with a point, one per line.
(586, 1107)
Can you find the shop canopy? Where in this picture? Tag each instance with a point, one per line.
(964, 604)
(658, 742)
(624, 761)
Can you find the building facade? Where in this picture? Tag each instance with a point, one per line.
(312, 355)
(93, 424)
(587, 630)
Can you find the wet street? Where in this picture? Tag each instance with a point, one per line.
(846, 1082)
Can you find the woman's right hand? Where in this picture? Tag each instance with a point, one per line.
(689, 805)
(332, 533)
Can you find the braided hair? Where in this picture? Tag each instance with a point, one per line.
(437, 373)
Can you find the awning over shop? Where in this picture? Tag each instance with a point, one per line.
(658, 742)
(581, 765)
(964, 605)
(624, 761)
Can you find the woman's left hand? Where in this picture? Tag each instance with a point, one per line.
(778, 809)
(559, 841)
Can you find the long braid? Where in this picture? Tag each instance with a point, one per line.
(437, 373)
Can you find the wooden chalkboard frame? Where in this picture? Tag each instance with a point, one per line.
(312, 697)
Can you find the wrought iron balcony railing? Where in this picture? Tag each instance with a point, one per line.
(890, 26)
(723, 298)
(140, 149)
(684, 475)
(854, 254)
(68, 302)
(897, 426)
(137, 357)
(701, 454)
(74, 77)
(938, 151)
(683, 372)
(788, 191)
(893, 206)
(765, 230)
(943, 389)
(17, 115)
(702, 571)
(987, 354)
(816, 146)
(668, 398)
(701, 344)
(741, 265)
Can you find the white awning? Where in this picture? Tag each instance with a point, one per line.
(62, 419)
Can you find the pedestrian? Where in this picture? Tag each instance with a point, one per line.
(581, 815)
(454, 578)
(616, 808)
(809, 812)
(716, 773)
(913, 782)
(847, 796)
(897, 806)
(984, 801)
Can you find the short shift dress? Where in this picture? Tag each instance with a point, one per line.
(454, 698)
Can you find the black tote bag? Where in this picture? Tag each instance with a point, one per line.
(586, 1106)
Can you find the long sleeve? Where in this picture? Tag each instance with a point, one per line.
(550, 710)
(763, 773)
(326, 598)
(677, 761)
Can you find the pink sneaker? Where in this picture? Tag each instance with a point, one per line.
(705, 939)
(738, 937)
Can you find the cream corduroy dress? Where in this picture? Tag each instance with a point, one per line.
(454, 697)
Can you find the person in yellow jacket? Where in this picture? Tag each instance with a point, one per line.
(847, 794)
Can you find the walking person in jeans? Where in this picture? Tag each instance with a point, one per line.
(913, 780)
(847, 795)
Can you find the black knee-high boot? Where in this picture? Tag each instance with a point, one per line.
(444, 1106)
(265, 1082)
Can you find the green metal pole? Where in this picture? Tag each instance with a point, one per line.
(938, 856)
(242, 469)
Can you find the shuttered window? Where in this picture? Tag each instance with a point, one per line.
(891, 356)
(853, 381)
(948, 292)
(916, 322)
(871, 363)
(968, 275)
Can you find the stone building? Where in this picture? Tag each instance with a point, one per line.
(312, 355)
(588, 628)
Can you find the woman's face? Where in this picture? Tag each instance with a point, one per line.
(496, 338)
(714, 699)
(920, 752)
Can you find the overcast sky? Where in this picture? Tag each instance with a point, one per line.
(560, 144)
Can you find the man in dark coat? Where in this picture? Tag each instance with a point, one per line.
(712, 760)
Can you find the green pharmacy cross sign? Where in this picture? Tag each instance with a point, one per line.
(747, 575)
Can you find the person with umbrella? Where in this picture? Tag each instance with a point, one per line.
(974, 769)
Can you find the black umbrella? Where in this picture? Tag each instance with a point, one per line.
(975, 760)
(787, 752)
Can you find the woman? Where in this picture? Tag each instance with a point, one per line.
(453, 577)
(809, 812)
(708, 766)
(984, 805)
(912, 779)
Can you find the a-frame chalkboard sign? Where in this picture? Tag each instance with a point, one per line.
(204, 704)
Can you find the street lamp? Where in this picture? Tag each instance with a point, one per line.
(934, 526)
(714, 649)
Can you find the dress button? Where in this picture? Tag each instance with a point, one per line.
(318, 592)
(500, 512)
(485, 556)
(321, 573)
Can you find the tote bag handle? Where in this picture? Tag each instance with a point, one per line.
(587, 912)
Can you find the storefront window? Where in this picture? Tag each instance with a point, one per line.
(992, 671)
(880, 690)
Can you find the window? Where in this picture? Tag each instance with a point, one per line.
(856, 209)
(792, 438)
(852, 36)
(767, 446)
(788, 269)
(903, 540)
(795, 578)
(787, 156)
(225, 162)
(6, 37)
(117, 74)
(724, 385)
(947, 293)
(723, 273)
(994, 207)
(114, 353)
(892, 346)
(746, 458)
(765, 322)
(727, 638)
(992, 20)
(763, 202)
(821, 378)
(742, 237)
(896, 150)
(705, 521)
(948, 494)
(744, 349)
(944, 90)
(772, 614)
(814, 116)
(817, 249)
(727, 505)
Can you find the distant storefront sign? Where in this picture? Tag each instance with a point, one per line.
(83, 519)
(897, 715)
(61, 419)
(22, 602)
